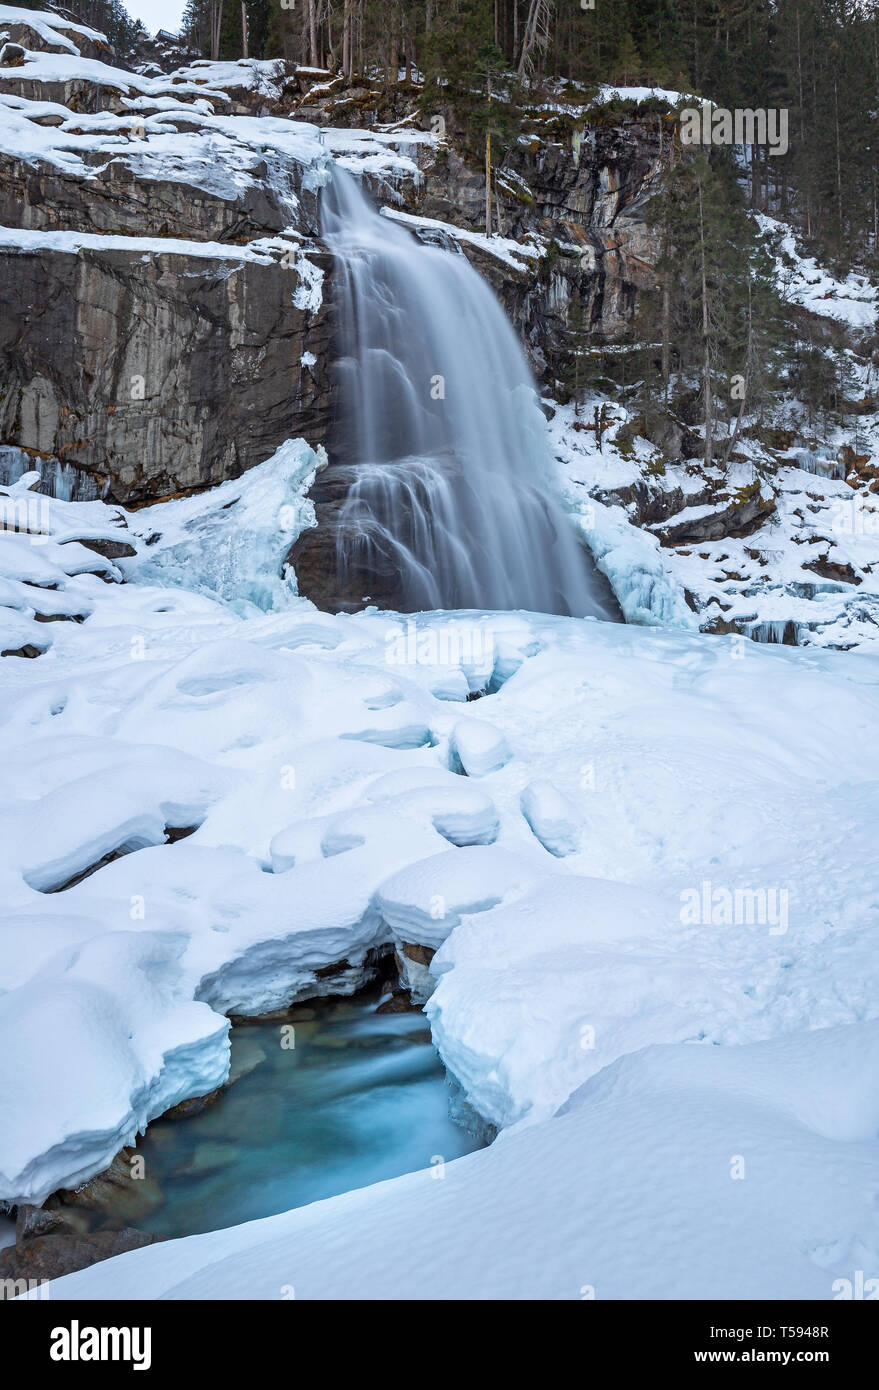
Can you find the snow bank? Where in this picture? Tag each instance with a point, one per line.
(681, 1173)
(676, 848)
(52, 28)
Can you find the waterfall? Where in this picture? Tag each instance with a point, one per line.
(449, 479)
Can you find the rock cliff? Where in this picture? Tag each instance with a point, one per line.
(162, 369)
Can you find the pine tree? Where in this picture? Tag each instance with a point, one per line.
(714, 310)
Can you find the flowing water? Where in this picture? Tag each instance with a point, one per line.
(451, 484)
(360, 1097)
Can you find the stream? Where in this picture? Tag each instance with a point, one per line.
(334, 1097)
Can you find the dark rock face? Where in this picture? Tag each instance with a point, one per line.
(156, 374)
(315, 555)
(53, 1255)
(589, 192)
(115, 201)
(741, 515)
(160, 373)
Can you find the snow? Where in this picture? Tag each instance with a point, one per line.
(196, 547)
(215, 151)
(321, 764)
(479, 747)
(552, 816)
(253, 74)
(69, 243)
(736, 1173)
(634, 881)
(52, 28)
(609, 93)
(137, 1049)
(754, 584)
(428, 899)
(67, 67)
(803, 281)
(514, 254)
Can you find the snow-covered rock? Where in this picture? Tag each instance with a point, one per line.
(478, 746)
(552, 816)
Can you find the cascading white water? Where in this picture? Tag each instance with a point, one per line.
(450, 486)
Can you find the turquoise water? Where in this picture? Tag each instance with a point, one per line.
(359, 1097)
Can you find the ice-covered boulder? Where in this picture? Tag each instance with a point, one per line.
(552, 816)
(479, 747)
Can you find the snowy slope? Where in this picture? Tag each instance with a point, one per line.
(803, 281)
(808, 573)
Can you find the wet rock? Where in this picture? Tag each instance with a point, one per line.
(28, 651)
(161, 375)
(742, 515)
(39, 1221)
(109, 549)
(399, 1002)
(194, 1106)
(315, 555)
(210, 1157)
(51, 1256)
(116, 1187)
(413, 965)
(247, 1055)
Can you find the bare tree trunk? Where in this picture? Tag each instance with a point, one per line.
(347, 19)
(332, 61)
(488, 183)
(538, 32)
(666, 336)
(706, 366)
(838, 159)
(216, 23)
(748, 356)
(312, 32)
(244, 52)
